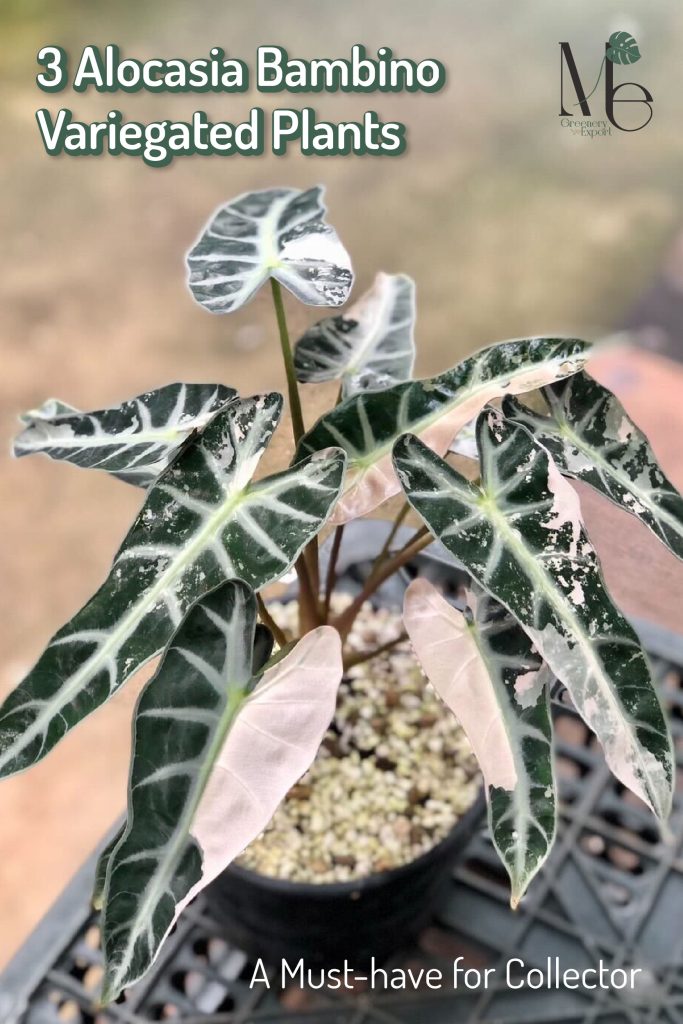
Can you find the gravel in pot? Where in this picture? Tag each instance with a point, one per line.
(354, 859)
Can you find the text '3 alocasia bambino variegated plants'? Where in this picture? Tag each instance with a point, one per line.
(237, 707)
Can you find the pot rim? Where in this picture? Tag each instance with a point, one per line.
(461, 830)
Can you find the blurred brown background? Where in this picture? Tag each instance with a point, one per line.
(510, 226)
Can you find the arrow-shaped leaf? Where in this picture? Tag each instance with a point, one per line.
(263, 646)
(213, 756)
(366, 426)
(370, 346)
(203, 522)
(280, 233)
(520, 535)
(591, 438)
(484, 668)
(134, 441)
(100, 880)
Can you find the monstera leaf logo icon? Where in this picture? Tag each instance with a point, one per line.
(623, 49)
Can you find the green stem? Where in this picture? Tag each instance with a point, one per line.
(307, 562)
(332, 570)
(268, 620)
(298, 428)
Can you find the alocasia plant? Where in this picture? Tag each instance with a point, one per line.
(224, 727)
(134, 441)
(501, 698)
(369, 347)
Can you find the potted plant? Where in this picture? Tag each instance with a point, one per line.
(225, 727)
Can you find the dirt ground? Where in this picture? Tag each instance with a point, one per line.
(509, 226)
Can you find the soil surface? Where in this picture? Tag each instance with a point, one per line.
(393, 775)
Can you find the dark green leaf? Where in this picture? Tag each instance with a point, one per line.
(370, 346)
(134, 441)
(520, 535)
(484, 667)
(592, 439)
(101, 868)
(214, 753)
(366, 426)
(203, 522)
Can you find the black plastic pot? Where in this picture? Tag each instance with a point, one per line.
(582, 906)
(328, 923)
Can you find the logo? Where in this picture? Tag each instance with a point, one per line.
(627, 105)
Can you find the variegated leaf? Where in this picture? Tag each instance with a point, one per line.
(263, 646)
(367, 425)
(591, 438)
(371, 346)
(213, 756)
(520, 535)
(52, 408)
(280, 233)
(203, 522)
(484, 667)
(465, 441)
(101, 868)
(134, 441)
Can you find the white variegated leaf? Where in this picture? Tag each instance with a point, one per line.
(279, 233)
(591, 438)
(204, 521)
(366, 425)
(214, 753)
(52, 408)
(519, 533)
(465, 442)
(133, 441)
(370, 346)
(263, 646)
(484, 667)
(101, 868)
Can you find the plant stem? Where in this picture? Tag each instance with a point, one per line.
(334, 554)
(298, 428)
(332, 570)
(309, 606)
(390, 537)
(421, 539)
(307, 562)
(419, 535)
(311, 555)
(361, 656)
(268, 620)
